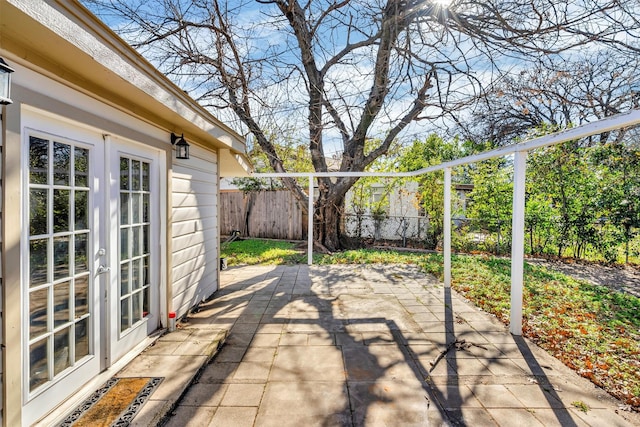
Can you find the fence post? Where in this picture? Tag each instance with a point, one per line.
(405, 225)
(310, 223)
(517, 241)
(447, 227)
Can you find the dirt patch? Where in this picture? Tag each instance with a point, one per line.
(619, 278)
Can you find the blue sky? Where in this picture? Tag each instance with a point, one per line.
(351, 78)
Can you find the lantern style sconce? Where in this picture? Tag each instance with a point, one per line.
(182, 147)
(5, 83)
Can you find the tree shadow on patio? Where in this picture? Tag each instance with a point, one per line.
(341, 346)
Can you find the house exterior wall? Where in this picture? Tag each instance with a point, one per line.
(35, 95)
(402, 212)
(403, 217)
(194, 230)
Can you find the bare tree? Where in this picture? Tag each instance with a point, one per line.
(353, 70)
(555, 94)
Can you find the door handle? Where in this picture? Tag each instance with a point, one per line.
(103, 269)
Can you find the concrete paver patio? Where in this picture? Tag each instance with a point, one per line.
(367, 346)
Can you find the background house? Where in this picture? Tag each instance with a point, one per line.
(392, 211)
(104, 231)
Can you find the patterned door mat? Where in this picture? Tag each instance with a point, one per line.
(114, 404)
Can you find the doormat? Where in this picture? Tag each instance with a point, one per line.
(114, 404)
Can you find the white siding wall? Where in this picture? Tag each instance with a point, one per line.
(402, 204)
(194, 229)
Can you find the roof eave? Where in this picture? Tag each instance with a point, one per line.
(106, 67)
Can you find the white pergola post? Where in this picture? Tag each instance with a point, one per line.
(310, 223)
(447, 227)
(517, 241)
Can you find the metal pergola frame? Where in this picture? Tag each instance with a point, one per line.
(520, 152)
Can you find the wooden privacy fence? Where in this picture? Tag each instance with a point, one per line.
(263, 214)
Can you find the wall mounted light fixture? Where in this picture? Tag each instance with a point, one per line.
(5, 83)
(182, 147)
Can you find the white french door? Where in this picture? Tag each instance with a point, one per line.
(133, 291)
(64, 212)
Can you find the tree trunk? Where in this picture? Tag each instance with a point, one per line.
(249, 201)
(327, 225)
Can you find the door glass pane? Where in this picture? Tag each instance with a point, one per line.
(135, 244)
(61, 355)
(60, 210)
(81, 295)
(145, 273)
(61, 300)
(38, 368)
(81, 210)
(136, 274)
(81, 167)
(124, 173)
(38, 304)
(124, 315)
(60, 257)
(38, 255)
(145, 301)
(61, 163)
(59, 260)
(146, 237)
(135, 175)
(145, 208)
(145, 176)
(82, 339)
(135, 208)
(38, 207)
(124, 278)
(82, 254)
(124, 243)
(136, 306)
(124, 208)
(38, 160)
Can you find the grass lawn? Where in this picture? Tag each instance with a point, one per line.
(255, 251)
(590, 328)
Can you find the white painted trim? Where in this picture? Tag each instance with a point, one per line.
(447, 228)
(106, 319)
(310, 223)
(517, 241)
